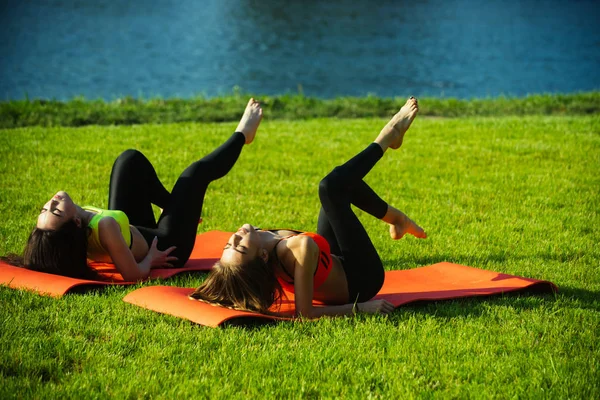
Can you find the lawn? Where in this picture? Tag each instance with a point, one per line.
(517, 195)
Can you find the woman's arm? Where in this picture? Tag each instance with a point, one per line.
(112, 240)
(306, 258)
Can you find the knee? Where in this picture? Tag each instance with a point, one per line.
(129, 158)
(331, 184)
(129, 155)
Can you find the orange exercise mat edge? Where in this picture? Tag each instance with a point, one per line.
(441, 281)
(207, 250)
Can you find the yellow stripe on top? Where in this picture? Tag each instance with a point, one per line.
(95, 250)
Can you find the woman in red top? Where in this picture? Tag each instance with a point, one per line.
(338, 266)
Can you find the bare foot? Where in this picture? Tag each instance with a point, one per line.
(397, 231)
(250, 120)
(400, 224)
(393, 132)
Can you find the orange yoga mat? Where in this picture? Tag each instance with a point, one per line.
(435, 282)
(207, 250)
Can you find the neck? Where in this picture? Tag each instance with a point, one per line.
(86, 216)
(269, 240)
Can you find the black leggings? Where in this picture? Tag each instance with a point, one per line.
(341, 227)
(134, 187)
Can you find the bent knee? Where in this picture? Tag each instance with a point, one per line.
(332, 183)
(129, 156)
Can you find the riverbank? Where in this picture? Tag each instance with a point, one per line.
(130, 111)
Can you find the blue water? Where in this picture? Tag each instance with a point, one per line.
(182, 48)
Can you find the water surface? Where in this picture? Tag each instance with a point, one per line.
(182, 48)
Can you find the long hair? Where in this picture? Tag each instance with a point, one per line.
(61, 252)
(252, 286)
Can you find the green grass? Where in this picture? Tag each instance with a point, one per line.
(518, 195)
(129, 111)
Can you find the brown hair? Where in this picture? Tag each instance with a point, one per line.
(250, 287)
(61, 252)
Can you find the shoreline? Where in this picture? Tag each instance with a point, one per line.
(132, 111)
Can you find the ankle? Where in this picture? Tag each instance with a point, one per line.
(392, 216)
(383, 143)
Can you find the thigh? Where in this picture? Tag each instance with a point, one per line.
(360, 260)
(325, 229)
(133, 187)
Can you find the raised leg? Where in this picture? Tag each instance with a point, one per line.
(178, 223)
(363, 267)
(342, 228)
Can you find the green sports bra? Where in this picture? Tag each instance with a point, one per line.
(95, 250)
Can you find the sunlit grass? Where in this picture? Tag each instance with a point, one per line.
(518, 195)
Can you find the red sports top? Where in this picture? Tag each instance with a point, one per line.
(323, 265)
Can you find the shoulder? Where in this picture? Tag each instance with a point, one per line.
(108, 225)
(300, 241)
(107, 222)
(109, 232)
(302, 245)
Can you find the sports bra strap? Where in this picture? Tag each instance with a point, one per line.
(278, 261)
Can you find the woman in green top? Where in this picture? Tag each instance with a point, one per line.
(127, 234)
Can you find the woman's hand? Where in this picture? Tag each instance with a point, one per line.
(160, 258)
(375, 307)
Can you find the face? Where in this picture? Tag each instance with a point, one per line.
(243, 246)
(59, 209)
